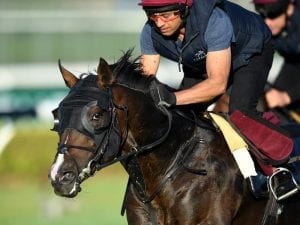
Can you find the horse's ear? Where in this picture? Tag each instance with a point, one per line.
(105, 75)
(69, 78)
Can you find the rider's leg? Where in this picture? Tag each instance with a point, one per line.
(247, 87)
(247, 84)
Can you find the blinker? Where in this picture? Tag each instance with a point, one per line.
(76, 105)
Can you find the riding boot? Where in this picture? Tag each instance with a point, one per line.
(258, 185)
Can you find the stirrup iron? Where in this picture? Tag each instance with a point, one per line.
(273, 184)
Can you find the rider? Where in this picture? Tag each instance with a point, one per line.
(283, 19)
(218, 45)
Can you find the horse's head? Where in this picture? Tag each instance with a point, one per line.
(87, 126)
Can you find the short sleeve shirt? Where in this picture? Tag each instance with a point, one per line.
(218, 35)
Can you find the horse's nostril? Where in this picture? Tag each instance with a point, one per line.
(67, 178)
(54, 183)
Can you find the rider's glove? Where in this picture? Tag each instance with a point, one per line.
(161, 95)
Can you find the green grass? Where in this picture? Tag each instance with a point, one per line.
(26, 196)
(36, 204)
(30, 152)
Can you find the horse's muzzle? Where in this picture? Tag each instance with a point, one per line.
(65, 184)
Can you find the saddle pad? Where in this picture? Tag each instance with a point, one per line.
(233, 139)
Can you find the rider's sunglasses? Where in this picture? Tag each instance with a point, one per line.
(164, 16)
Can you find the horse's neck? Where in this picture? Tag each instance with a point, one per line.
(146, 122)
(157, 161)
(150, 171)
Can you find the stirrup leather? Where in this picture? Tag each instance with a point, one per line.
(273, 184)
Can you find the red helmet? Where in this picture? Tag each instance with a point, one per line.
(161, 3)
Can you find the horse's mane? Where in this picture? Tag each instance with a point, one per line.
(128, 73)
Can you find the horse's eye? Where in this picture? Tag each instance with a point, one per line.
(96, 117)
(100, 120)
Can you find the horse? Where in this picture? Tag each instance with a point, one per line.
(179, 165)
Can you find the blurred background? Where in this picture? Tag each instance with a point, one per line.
(34, 34)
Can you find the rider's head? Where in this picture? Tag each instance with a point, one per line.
(271, 8)
(275, 13)
(159, 6)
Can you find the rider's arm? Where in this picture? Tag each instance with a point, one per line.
(218, 37)
(150, 58)
(149, 64)
(218, 66)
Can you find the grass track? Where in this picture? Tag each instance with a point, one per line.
(36, 204)
(26, 196)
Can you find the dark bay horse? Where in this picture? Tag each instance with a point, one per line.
(181, 172)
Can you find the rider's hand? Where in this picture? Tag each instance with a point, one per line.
(276, 98)
(161, 95)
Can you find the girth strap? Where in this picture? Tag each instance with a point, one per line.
(272, 211)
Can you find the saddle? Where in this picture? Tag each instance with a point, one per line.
(276, 157)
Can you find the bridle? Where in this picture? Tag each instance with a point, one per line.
(102, 146)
